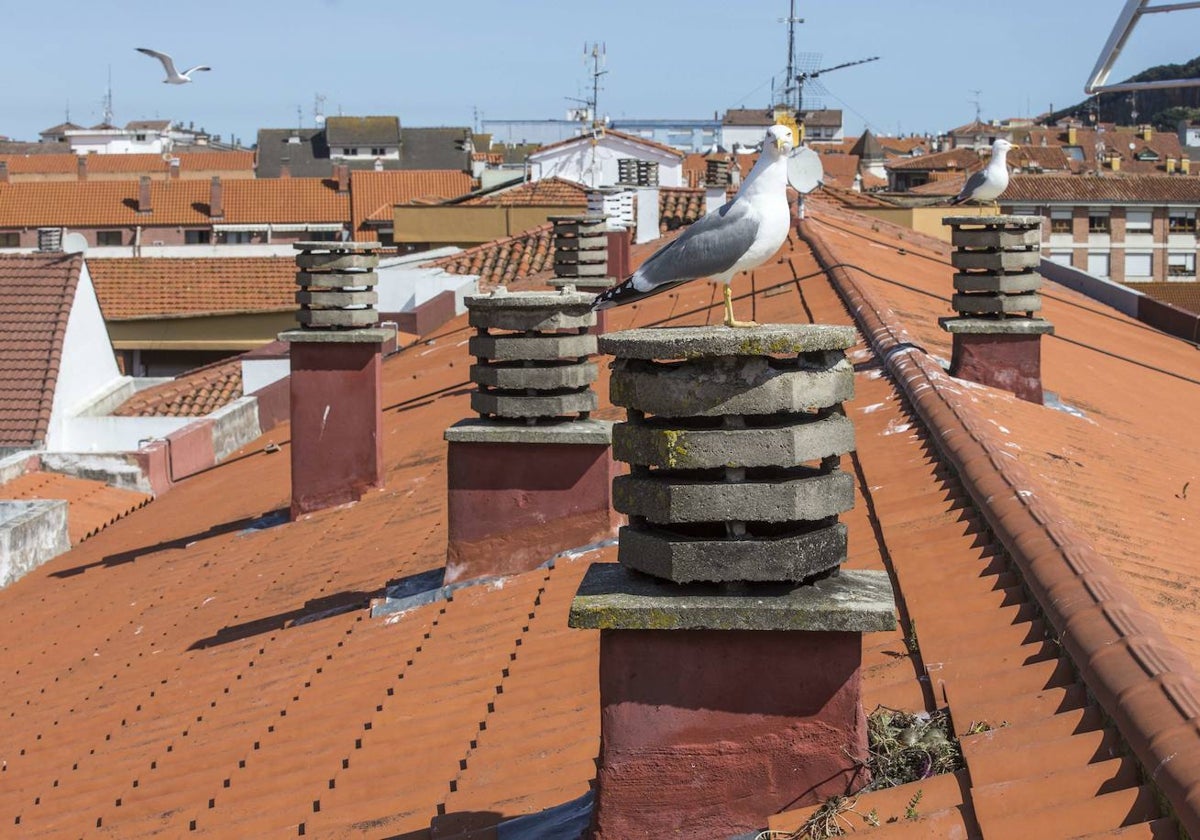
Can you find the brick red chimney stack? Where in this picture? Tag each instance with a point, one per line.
(730, 635)
(341, 174)
(143, 205)
(584, 250)
(216, 207)
(996, 338)
(173, 168)
(3, 172)
(335, 388)
(285, 171)
(81, 167)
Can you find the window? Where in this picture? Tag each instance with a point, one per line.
(1060, 221)
(1097, 264)
(1098, 221)
(1138, 264)
(10, 240)
(1181, 221)
(237, 237)
(139, 138)
(197, 237)
(1138, 221)
(378, 151)
(350, 152)
(108, 237)
(1060, 257)
(1074, 152)
(323, 235)
(1181, 264)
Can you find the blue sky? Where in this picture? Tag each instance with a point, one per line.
(435, 63)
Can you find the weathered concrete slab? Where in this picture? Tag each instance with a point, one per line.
(998, 326)
(597, 284)
(548, 405)
(374, 335)
(783, 446)
(540, 378)
(995, 260)
(586, 432)
(509, 348)
(611, 597)
(502, 301)
(686, 560)
(31, 532)
(349, 245)
(998, 283)
(667, 500)
(1017, 238)
(732, 385)
(993, 304)
(997, 221)
(534, 319)
(335, 261)
(337, 299)
(697, 342)
(338, 317)
(337, 279)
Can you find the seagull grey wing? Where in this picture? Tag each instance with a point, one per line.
(194, 69)
(168, 63)
(711, 246)
(973, 183)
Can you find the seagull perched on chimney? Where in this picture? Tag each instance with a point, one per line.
(174, 77)
(739, 236)
(988, 183)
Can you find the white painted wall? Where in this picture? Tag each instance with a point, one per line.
(117, 434)
(88, 367)
(259, 373)
(118, 142)
(742, 135)
(403, 287)
(594, 162)
(647, 216)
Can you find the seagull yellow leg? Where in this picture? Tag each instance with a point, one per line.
(729, 319)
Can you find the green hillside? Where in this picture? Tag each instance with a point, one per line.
(1161, 108)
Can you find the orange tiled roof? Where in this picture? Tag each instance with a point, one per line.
(223, 162)
(91, 505)
(373, 194)
(956, 159)
(155, 287)
(1184, 295)
(548, 192)
(506, 260)
(1102, 189)
(305, 716)
(632, 138)
(38, 292)
(174, 202)
(840, 169)
(679, 207)
(196, 393)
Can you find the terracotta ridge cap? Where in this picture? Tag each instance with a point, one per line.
(1138, 676)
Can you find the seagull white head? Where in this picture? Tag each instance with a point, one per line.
(778, 139)
(1001, 147)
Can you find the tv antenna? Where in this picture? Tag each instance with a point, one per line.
(801, 78)
(319, 109)
(107, 102)
(975, 102)
(791, 20)
(598, 53)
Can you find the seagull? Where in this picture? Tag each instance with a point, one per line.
(988, 183)
(174, 77)
(738, 236)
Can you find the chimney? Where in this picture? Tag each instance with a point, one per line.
(49, 239)
(216, 207)
(1170, 166)
(1147, 132)
(734, 441)
(1072, 136)
(335, 387)
(3, 172)
(285, 171)
(143, 202)
(1185, 165)
(173, 168)
(341, 174)
(1114, 163)
(532, 472)
(581, 252)
(81, 167)
(996, 338)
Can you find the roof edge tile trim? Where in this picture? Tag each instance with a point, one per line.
(1139, 677)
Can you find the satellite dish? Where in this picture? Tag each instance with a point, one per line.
(74, 243)
(804, 170)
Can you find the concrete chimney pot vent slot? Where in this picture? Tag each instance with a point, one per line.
(532, 356)
(336, 283)
(734, 441)
(996, 295)
(581, 252)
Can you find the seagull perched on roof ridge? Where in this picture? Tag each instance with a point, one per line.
(740, 235)
(988, 183)
(174, 77)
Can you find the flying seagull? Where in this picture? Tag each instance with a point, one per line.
(988, 183)
(174, 77)
(740, 235)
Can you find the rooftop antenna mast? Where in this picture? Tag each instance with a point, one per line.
(975, 102)
(108, 100)
(319, 109)
(801, 78)
(791, 20)
(598, 52)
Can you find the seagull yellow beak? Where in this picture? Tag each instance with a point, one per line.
(780, 143)
(1015, 146)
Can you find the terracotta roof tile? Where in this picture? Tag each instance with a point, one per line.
(547, 192)
(154, 287)
(1184, 295)
(133, 164)
(679, 207)
(632, 138)
(38, 292)
(955, 159)
(506, 260)
(196, 393)
(373, 194)
(91, 505)
(1090, 188)
(174, 202)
